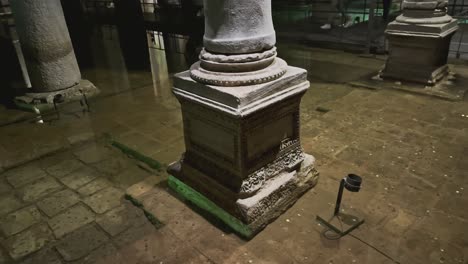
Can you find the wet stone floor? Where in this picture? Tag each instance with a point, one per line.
(63, 185)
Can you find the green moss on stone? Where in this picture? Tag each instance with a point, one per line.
(154, 164)
(207, 205)
(152, 218)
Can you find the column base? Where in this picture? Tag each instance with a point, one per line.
(418, 53)
(452, 87)
(259, 210)
(46, 99)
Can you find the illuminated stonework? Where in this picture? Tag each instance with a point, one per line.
(240, 107)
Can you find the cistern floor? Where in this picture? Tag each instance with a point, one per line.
(62, 183)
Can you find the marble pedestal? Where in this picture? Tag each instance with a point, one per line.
(418, 52)
(243, 151)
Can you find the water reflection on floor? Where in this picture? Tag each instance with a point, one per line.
(411, 151)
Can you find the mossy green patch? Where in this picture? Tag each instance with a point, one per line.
(207, 205)
(154, 164)
(30, 107)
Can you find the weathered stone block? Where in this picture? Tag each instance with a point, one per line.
(81, 242)
(417, 58)
(58, 202)
(142, 187)
(28, 241)
(20, 220)
(94, 186)
(70, 220)
(39, 189)
(79, 177)
(4, 187)
(64, 167)
(243, 147)
(119, 219)
(104, 200)
(45, 255)
(9, 203)
(92, 154)
(23, 175)
(106, 253)
(419, 42)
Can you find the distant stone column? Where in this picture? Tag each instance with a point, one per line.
(48, 51)
(419, 42)
(240, 107)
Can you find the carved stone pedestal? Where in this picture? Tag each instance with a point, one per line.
(243, 148)
(419, 42)
(240, 105)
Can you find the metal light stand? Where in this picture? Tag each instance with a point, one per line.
(352, 183)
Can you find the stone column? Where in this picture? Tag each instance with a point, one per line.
(46, 45)
(240, 105)
(419, 42)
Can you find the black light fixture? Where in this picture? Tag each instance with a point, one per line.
(352, 183)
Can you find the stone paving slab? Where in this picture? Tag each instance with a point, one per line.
(105, 254)
(94, 186)
(9, 203)
(112, 166)
(28, 241)
(104, 200)
(140, 142)
(4, 187)
(129, 176)
(65, 167)
(79, 177)
(154, 247)
(39, 189)
(44, 256)
(93, 153)
(20, 220)
(121, 218)
(81, 242)
(132, 234)
(23, 175)
(143, 186)
(58, 202)
(70, 220)
(4, 258)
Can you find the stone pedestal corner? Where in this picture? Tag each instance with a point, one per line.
(419, 42)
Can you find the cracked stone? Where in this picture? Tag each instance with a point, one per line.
(20, 220)
(58, 202)
(81, 242)
(70, 220)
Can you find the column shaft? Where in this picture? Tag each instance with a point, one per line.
(46, 44)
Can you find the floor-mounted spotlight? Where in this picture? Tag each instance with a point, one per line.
(347, 223)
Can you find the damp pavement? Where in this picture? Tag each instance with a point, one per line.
(63, 184)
